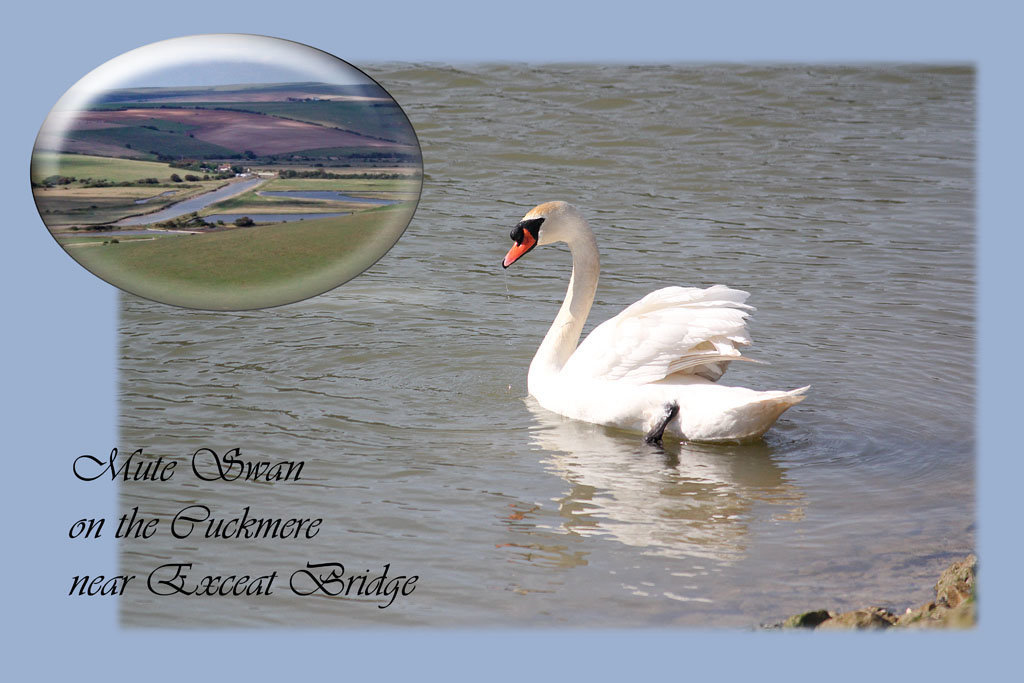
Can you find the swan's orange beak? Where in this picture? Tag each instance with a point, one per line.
(519, 249)
(525, 235)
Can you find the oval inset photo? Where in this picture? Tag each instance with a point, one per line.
(226, 172)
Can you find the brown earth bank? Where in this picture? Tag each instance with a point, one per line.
(955, 606)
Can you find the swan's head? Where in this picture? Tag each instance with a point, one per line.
(545, 224)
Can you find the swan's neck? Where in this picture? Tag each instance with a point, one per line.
(561, 340)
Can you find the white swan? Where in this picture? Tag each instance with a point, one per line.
(653, 366)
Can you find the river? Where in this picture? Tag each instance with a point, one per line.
(842, 198)
(197, 203)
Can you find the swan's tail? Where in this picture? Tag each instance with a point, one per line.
(791, 398)
(764, 412)
(756, 417)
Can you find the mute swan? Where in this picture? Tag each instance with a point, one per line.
(653, 366)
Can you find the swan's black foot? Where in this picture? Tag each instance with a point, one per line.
(658, 431)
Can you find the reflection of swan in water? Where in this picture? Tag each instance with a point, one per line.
(687, 500)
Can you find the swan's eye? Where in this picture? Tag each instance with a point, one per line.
(532, 226)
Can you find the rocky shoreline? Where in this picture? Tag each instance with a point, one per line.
(955, 606)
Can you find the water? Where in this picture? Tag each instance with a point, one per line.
(326, 194)
(197, 203)
(841, 198)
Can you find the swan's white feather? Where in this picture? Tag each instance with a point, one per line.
(665, 351)
(672, 330)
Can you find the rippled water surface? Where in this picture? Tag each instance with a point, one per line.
(841, 198)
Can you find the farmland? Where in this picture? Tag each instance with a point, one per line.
(376, 120)
(154, 142)
(249, 268)
(382, 120)
(106, 192)
(212, 133)
(352, 126)
(102, 190)
(45, 164)
(228, 196)
(403, 186)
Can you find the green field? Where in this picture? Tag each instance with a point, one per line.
(380, 120)
(46, 164)
(358, 185)
(72, 240)
(361, 158)
(249, 267)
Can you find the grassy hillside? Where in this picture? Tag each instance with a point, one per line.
(380, 120)
(251, 267)
(359, 185)
(46, 164)
(383, 120)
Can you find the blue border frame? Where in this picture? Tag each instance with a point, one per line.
(59, 339)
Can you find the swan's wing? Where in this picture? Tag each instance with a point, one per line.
(671, 330)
